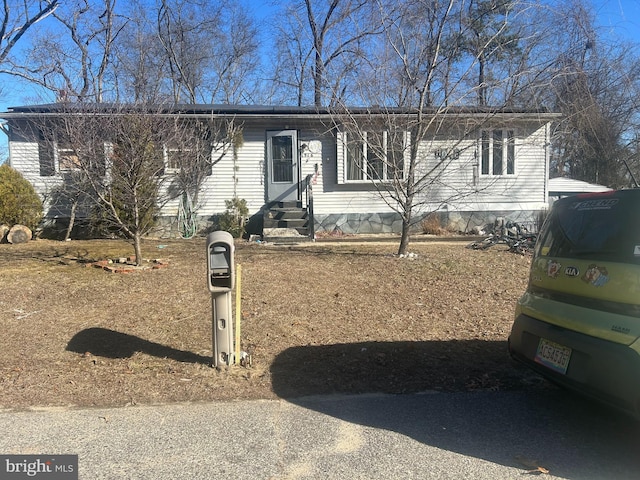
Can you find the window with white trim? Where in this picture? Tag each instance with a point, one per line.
(68, 159)
(173, 157)
(377, 156)
(62, 156)
(497, 152)
(177, 157)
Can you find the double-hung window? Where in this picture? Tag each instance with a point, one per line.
(67, 157)
(497, 152)
(61, 156)
(173, 157)
(179, 157)
(371, 155)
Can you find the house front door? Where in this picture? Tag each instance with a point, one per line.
(283, 169)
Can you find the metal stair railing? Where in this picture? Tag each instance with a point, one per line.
(309, 197)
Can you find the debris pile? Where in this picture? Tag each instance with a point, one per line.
(128, 265)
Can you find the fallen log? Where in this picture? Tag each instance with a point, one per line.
(4, 229)
(19, 234)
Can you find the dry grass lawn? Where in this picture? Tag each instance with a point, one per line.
(341, 317)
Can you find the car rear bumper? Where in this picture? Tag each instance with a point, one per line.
(604, 370)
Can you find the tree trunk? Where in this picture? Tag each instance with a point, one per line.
(482, 89)
(72, 220)
(137, 248)
(404, 238)
(318, 79)
(410, 186)
(407, 215)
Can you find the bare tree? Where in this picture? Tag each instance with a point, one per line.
(124, 163)
(323, 42)
(198, 145)
(489, 37)
(73, 57)
(415, 60)
(196, 51)
(184, 36)
(119, 157)
(236, 62)
(18, 18)
(211, 50)
(424, 146)
(596, 88)
(140, 59)
(291, 64)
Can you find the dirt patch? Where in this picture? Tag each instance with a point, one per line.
(321, 318)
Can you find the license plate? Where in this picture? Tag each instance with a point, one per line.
(553, 356)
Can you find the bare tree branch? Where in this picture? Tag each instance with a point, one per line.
(10, 34)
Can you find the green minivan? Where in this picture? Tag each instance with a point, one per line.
(578, 323)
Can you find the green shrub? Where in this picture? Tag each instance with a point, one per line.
(19, 202)
(234, 218)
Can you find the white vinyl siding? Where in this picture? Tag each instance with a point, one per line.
(244, 177)
(453, 163)
(24, 157)
(527, 185)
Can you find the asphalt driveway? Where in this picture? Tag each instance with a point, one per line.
(484, 435)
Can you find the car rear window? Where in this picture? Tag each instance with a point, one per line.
(599, 227)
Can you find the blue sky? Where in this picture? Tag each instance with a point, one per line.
(620, 18)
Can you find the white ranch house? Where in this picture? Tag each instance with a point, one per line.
(497, 166)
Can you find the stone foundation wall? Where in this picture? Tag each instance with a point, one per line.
(459, 222)
(348, 224)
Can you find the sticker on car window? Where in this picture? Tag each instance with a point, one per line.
(553, 268)
(600, 204)
(596, 276)
(636, 251)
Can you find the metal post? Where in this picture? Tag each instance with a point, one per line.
(222, 329)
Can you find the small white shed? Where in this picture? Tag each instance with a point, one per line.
(563, 187)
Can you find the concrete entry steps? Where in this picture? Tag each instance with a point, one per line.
(285, 222)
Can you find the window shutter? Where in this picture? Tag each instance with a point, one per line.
(46, 157)
(406, 154)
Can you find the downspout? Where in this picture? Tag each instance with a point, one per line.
(5, 130)
(547, 147)
(547, 161)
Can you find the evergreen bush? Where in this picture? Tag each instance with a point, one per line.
(19, 202)
(234, 218)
